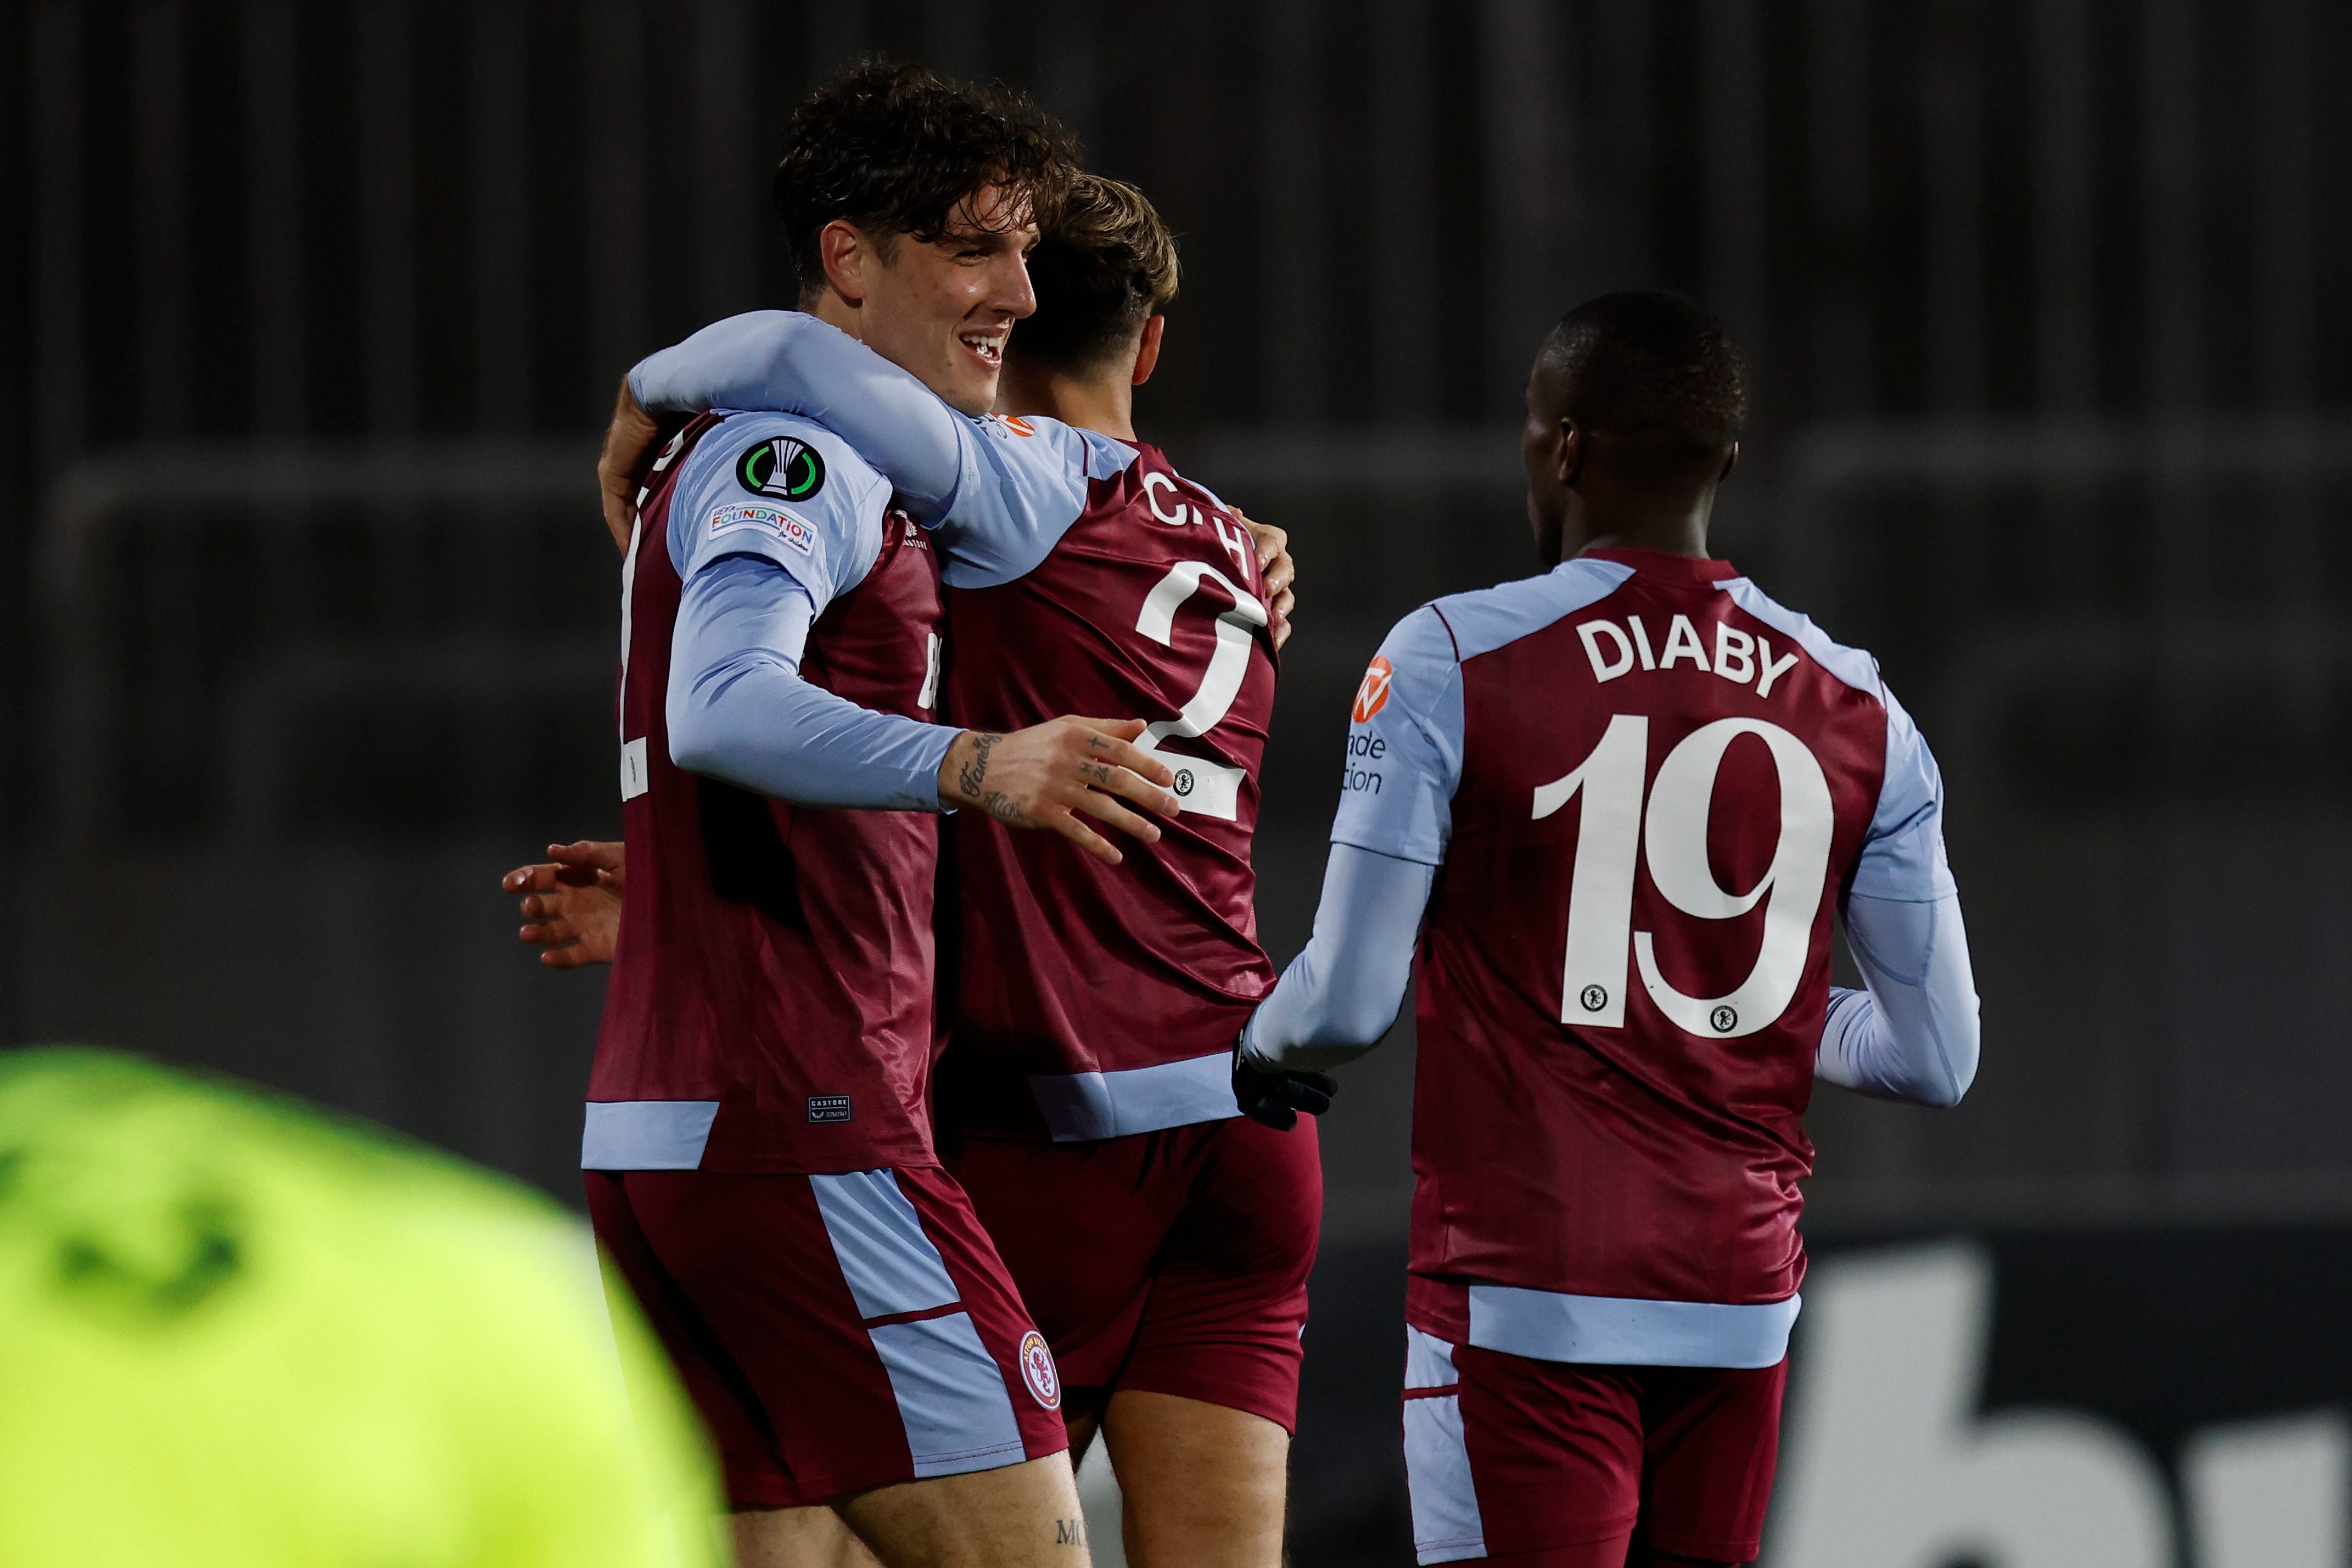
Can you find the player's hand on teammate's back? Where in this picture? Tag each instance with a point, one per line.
(1276, 1097)
(1275, 564)
(629, 442)
(572, 902)
(1047, 775)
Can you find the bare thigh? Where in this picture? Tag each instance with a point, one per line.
(1019, 1516)
(1203, 1485)
(797, 1538)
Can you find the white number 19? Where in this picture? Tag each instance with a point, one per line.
(1601, 885)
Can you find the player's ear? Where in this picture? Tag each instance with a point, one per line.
(1147, 352)
(1730, 461)
(847, 255)
(1571, 453)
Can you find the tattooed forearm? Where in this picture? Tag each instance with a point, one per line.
(1069, 1533)
(975, 766)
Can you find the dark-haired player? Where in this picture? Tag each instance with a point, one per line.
(1162, 1239)
(759, 1151)
(1618, 803)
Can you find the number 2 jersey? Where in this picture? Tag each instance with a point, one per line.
(1647, 786)
(1089, 1000)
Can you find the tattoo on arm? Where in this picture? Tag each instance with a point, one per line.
(1070, 1531)
(975, 767)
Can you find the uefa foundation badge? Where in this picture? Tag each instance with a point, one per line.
(1038, 1371)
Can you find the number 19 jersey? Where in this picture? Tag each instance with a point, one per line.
(1094, 1000)
(1647, 786)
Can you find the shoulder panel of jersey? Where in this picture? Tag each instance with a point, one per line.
(1902, 853)
(1035, 478)
(787, 490)
(1404, 739)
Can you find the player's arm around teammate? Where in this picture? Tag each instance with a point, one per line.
(1202, 1471)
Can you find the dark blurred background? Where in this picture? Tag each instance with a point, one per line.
(310, 314)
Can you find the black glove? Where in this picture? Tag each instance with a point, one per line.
(1276, 1098)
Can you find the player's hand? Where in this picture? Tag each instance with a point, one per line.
(629, 442)
(572, 902)
(1275, 564)
(1051, 776)
(1274, 1096)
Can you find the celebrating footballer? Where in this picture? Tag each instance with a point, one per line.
(946, 1115)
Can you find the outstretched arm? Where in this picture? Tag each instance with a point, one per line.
(791, 362)
(738, 709)
(1341, 993)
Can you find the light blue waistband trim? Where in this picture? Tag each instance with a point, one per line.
(1087, 1105)
(1620, 1330)
(647, 1135)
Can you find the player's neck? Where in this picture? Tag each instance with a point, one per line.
(1674, 529)
(1104, 404)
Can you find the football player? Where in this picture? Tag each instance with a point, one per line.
(1615, 807)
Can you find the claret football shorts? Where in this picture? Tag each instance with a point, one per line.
(1545, 1464)
(1168, 1262)
(837, 1332)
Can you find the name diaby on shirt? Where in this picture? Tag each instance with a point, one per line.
(1739, 658)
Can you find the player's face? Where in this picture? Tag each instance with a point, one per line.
(1542, 443)
(942, 310)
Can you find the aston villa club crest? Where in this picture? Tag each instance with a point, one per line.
(1037, 1369)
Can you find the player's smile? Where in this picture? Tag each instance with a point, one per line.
(942, 308)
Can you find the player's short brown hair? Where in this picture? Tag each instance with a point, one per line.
(897, 151)
(1104, 267)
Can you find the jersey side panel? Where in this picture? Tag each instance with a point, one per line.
(1150, 605)
(774, 963)
(1619, 1152)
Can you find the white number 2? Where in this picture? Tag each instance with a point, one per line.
(1210, 788)
(1600, 884)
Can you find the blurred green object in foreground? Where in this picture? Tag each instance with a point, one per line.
(235, 1331)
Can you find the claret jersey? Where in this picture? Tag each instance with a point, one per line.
(1645, 785)
(1092, 1000)
(771, 1005)
(1084, 576)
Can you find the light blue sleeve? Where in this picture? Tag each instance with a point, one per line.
(771, 518)
(739, 710)
(786, 490)
(1000, 493)
(1404, 746)
(1914, 1034)
(1341, 993)
(1902, 852)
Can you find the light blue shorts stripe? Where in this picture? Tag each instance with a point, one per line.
(1089, 1105)
(1446, 1524)
(952, 1395)
(1622, 1331)
(647, 1135)
(887, 1257)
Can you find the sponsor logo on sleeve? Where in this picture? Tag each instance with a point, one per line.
(828, 1108)
(782, 468)
(1037, 1369)
(1373, 694)
(733, 515)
